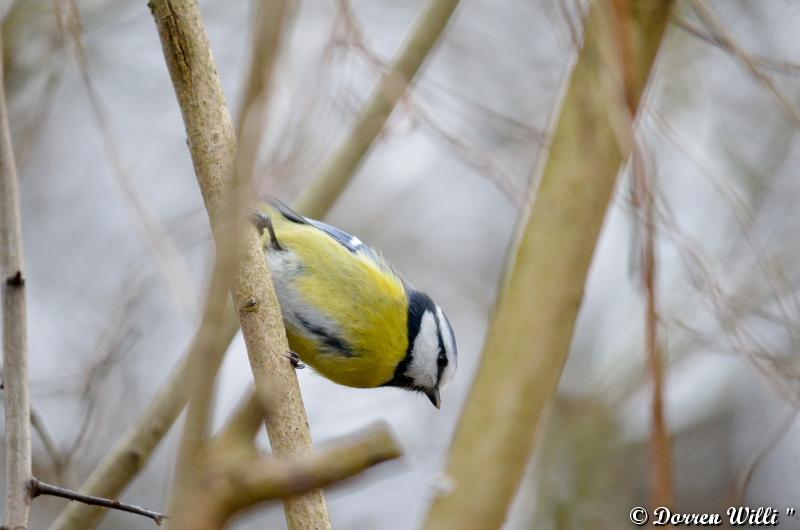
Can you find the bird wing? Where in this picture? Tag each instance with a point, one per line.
(348, 241)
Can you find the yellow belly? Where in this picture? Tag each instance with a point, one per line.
(365, 301)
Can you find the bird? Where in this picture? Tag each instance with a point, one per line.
(348, 313)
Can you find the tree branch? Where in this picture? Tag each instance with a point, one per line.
(15, 347)
(319, 196)
(173, 267)
(37, 488)
(728, 40)
(129, 455)
(227, 489)
(549, 266)
(122, 464)
(213, 148)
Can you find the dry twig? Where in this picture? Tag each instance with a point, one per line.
(660, 441)
(725, 36)
(173, 268)
(37, 488)
(15, 348)
(129, 455)
(318, 197)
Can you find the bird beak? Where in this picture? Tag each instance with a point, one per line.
(433, 395)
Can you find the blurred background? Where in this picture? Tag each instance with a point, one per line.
(101, 146)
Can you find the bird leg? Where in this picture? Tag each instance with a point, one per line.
(295, 360)
(262, 221)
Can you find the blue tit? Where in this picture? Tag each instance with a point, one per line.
(347, 312)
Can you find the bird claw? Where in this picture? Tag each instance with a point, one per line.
(295, 360)
(262, 221)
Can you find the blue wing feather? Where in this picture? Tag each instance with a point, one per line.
(348, 241)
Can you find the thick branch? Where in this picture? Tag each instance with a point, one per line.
(15, 354)
(229, 489)
(123, 463)
(538, 305)
(317, 198)
(37, 487)
(213, 148)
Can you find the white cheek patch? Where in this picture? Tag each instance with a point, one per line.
(423, 368)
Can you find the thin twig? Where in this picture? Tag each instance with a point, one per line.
(15, 348)
(174, 269)
(782, 67)
(318, 197)
(37, 488)
(130, 454)
(661, 444)
(643, 198)
(774, 435)
(49, 445)
(725, 36)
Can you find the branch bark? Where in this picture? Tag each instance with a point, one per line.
(15, 352)
(121, 465)
(227, 489)
(319, 196)
(37, 488)
(213, 148)
(495, 435)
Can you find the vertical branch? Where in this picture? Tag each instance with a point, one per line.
(661, 444)
(644, 201)
(209, 349)
(213, 148)
(15, 354)
(126, 459)
(319, 196)
(539, 300)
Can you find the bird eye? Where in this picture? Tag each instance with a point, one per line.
(442, 360)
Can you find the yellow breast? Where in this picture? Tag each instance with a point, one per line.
(362, 296)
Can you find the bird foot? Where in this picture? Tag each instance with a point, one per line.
(295, 360)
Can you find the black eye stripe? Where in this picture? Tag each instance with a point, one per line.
(441, 361)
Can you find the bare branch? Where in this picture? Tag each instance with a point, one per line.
(317, 198)
(37, 488)
(245, 422)
(552, 259)
(213, 148)
(121, 465)
(724, 35)
(49, 445)
(783, 67)
(15, 347)
(228, 489)
(173, 268)
(643, 196)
